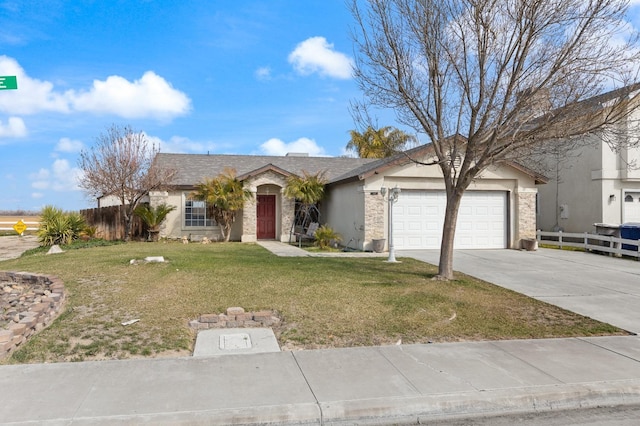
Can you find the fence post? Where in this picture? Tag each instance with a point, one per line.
(560, 239)
(586, 241)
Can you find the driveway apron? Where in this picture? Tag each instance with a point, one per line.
(601, 287)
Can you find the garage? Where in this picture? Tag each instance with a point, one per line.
(418, 217)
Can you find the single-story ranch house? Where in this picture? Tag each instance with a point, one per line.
(497, 211)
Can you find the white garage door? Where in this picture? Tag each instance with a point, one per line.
(418, 217)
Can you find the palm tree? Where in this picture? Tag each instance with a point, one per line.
(153, 217)
(307, 190)
(225, 196)
(380, 143)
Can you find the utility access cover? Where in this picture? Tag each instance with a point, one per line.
(235, 341)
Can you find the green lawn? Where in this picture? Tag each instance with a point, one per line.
(323, 302)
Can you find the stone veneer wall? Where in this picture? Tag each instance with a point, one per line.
(287, 216)
(30, 303)
(374, 225)
(526, 216)
(249, 225)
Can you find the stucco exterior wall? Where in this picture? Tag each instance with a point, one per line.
(173, 226)
(589, 185)
(343, 210)
(631, 155)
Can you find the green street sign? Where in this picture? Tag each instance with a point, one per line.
(8, 82)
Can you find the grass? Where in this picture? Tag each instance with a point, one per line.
(323, 302)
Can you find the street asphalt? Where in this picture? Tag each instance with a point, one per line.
(368, 385)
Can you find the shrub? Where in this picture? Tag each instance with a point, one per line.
(59, 227)
(153, 217)
(90, 232)
(325, 237)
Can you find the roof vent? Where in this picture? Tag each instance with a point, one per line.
(297, 154)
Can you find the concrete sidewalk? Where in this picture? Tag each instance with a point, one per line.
(370, 385)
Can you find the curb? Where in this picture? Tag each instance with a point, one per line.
(422, 409)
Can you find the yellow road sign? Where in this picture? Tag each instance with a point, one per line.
(20, 227)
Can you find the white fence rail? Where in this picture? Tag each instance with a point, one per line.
(591, 242)
(8, 226)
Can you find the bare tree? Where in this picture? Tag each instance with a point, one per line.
(492, 81)
(121, 165)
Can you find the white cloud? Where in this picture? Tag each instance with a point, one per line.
(149, 97)
(37, 195)
(69, 145)
(276, 146)
(316, 55)
(263, 73)
(14, 128)
(32, 95)
(60, 177)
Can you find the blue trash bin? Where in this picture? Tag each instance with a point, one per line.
(630, 231)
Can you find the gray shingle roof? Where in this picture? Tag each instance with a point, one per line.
(194, 168)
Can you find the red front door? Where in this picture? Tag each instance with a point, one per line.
(266, 217)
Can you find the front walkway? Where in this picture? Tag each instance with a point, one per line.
(287, 250)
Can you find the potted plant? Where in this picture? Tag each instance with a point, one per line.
(153, 217)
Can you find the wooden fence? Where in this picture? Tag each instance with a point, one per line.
(591, 242)
(109, 223)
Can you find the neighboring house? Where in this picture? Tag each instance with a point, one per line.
(497, 211)
(592, 184)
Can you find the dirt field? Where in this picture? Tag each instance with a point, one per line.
(14, 219)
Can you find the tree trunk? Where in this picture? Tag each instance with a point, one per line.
(226, 232)
(127, 225)
(445, 268)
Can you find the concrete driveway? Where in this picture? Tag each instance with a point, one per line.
(601, 287)
(12, 247)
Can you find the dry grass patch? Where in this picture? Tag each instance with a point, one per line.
(323, 302)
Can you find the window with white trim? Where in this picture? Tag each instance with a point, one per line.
(196, 214)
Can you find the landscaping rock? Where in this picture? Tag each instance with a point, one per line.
(55, 249)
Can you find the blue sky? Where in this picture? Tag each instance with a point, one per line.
(225, 77)
(242, 77)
